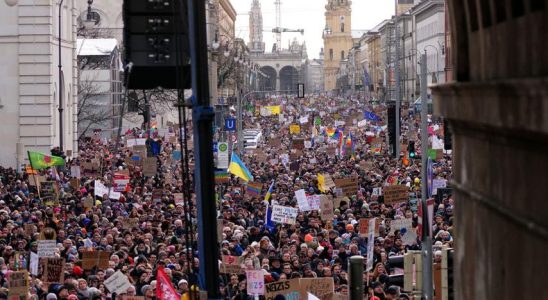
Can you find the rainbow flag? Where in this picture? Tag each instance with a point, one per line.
(254, 188)
(238, 168)
(332, 133)
(221, 177)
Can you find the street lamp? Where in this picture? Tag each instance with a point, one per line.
(435, 77)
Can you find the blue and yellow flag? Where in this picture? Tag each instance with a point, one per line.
(238, 168)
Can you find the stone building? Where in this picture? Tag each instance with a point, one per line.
(29, 78)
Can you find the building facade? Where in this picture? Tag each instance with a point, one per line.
(29, 78)
(337, 38)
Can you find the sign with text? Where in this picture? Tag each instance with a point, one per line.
(395, 193)
(326, 207)
(288, 288)
(370, 243)
(294, 129)
(230, 265)
(284, 214)
(46, 248)
(222, 155)
(150, 166)
(54, 270)
(322, 288)
(364, 227)
(117, 283)
(297, 144)
(349, 185)
(48, 193)
(18, 284)
(255, 282)
(99, 259)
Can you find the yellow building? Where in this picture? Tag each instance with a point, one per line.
(337, 39)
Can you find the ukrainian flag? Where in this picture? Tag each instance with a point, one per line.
(238, 168)
(269, 193)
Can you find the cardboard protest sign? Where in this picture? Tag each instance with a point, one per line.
(297, 144)
(284, 214)
(294, 129)
(99, 259)
(364, 226)
(75, 183)
(150, 166)
(255, 282)
(90, 169)
(35, 180)
(395, 193)
(322, 288)
(274, 143)
(126, 297)
(230, 265)
(326, 207)
(117, 283)
(405, 226)
(348, 185)
(18, 284)
(288, 288)
(54, 270)
(89, 202)
(46, 248)
(48, 193)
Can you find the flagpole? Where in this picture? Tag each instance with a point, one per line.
(34, 174)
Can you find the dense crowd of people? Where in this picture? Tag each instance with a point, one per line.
(147, 228)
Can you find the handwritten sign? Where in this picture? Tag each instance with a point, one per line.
(150, 166)
(326, 207)
(54, 270)
(395, 193)
(349, 185)
(294, 129)
(284, 214)
(322, 288)
(46, 248)
(230, 265)
(117, 283)
(48, 193)
(255, 282)
(99, 259)
(18, 284)
(364, 226)
(288, 288)
(302, 200)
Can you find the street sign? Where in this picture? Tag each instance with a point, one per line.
(222, 155)
(301, 90)
(230, 124)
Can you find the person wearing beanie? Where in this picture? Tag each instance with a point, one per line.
(51, 296)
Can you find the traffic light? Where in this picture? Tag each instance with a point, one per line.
(411, 149)
(156, 42)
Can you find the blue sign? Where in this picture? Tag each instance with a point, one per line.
(215, 147)
(230, 124)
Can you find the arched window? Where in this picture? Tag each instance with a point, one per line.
(330, 54)
(342, 55)
(342, 27)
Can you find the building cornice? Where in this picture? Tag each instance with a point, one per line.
(229, 9)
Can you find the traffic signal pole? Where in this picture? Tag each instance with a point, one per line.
(202, 118)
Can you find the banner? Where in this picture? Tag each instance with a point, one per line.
(284, 214)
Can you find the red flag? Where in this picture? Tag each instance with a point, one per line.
(164, 288)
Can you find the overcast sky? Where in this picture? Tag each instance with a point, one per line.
(308, 15)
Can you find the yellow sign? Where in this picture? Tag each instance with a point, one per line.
(274, 110)
(294, 129)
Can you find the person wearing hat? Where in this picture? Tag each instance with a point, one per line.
(182, 286)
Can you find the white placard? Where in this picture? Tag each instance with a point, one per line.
(362, 123)
(46, 248)
(101, 189)
(117, 283)
(222, 155)
(313, 202)
(303, 120)
(255, 282)
(135, 142)
(302, 200)
(370, 244)
(284, 214)
(33, 266)
(377, 191)
(438, 183)
(308, 144)
(405, 226)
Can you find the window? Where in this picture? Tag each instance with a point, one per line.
(342, 27)
(330, 54)
(342, 55)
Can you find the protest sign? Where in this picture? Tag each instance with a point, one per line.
(140, 151)
(405, 226)
(178, 197)
(362, 123)
(33, 265)
(54, 270)
(255, 282)
(370, 243)
(18, 284)
(126, 297)
(117, 283)
(99, 259)
(287, 288)
(395, 193)
(376, 146)
(294, 129)
(313, 202)
(89, 202)
(135, 142)
(326, 207)
(230, 265)
(377, 191)
(322, 288)
(303, 120)
(297, 144)
(75, 171)
(308, 144)
(274, 142)
(438, 184)
(101, 190)
(90, 169)
(46, 248)
(302, 201)
(157, 194)
(284, 214)
(364, 227)
(48, 193)
(348, 185)
(150, 166)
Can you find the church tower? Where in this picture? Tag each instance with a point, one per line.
(256, 44)
(337, 39)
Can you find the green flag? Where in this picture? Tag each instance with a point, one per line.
(40, 161)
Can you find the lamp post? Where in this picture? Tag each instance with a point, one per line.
(60, 66)
(435, 79)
